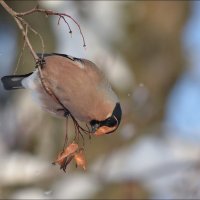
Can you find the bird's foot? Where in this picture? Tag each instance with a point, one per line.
(40, 62)
(66, 113)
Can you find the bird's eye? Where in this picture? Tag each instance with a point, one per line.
(94, 125)
(93, 122)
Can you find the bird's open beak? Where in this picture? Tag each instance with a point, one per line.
(105, 130)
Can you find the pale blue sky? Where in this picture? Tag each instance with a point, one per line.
(183, 109)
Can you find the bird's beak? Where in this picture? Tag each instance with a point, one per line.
(105, 130)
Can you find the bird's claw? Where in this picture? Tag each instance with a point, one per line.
(40, 62)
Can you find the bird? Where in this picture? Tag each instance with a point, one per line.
(81, 88)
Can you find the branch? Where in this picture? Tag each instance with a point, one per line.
(26, 39)
(50, 12)
(21, 54)
(24, 26)
(7, 8)
(19, 24)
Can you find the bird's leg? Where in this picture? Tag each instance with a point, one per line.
(66, 113)
(40, 62)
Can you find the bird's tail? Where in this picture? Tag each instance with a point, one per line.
(14, 81)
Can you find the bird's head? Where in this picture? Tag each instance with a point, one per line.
(108, 125)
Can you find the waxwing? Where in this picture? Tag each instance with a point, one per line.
(80, 87)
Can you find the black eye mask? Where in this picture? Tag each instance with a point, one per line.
(117, 112)
(112, 121)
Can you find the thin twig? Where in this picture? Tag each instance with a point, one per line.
(8, 9)
(66, 133)
(19, 24)
(61, 17)
(50, 12)
(20, 21)
(21, 54)
(35, 32)
(26, 39)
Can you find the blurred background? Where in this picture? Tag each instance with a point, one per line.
(149, 50)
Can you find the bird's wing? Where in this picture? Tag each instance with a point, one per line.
(80, 86)
(43, 55)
